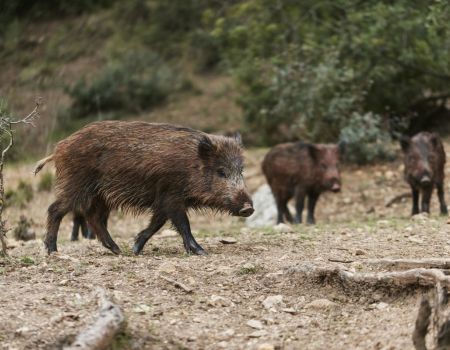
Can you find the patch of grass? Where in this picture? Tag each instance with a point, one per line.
(46, 182)
(121, 341)
(249, 269)
(27, 261)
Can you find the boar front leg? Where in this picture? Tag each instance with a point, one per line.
(415, 199)
(158, 220)
(440, 191)
(426, 199)
(299, 205)
(181, 222)
(312, 200)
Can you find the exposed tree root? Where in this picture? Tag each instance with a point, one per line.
(100, 334)
(433, 318)
(398, 198)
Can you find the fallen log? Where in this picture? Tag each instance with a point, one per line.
(100, 334)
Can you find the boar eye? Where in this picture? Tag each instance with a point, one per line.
(221, 173)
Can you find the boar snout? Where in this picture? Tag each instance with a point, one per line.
(425, 180)
(336, 187)
(246, 210)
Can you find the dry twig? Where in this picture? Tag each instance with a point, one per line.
(177, 284)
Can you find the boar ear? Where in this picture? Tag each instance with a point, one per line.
(238, 138)
(434, 139)
(405, 141)
(342, 146)
(205, 147)
(313, 151)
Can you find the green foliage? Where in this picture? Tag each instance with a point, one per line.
(134, 82)
(365, 139)
(45, 182)
(320, 70)
(21, 196)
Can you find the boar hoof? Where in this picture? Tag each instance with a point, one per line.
(137, 249)
(197, 251)
(51, 247)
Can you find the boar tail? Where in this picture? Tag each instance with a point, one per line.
(41, 163)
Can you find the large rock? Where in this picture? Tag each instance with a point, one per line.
(265, 208)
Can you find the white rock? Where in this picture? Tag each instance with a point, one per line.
(272, 300)
(266, 346)
(141, 309)
(265, 209)
(254, 324)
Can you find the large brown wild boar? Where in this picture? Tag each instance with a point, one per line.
(297, 170)
(145, 167)
(424, 159)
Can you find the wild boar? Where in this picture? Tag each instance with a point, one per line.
(297, 170)
(144, 167)
(424, 159)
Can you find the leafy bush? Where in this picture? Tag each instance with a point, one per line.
(135, 82)
(365, 139)
(21, 196)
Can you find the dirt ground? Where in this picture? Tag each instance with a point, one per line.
(47, 300)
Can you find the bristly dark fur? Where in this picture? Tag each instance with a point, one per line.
(301, 170)
(144, 167)
(424, 156)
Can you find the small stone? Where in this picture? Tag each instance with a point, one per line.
(415, 240)
(21, 331)
(283, 228)
(228, 240)
(63, 282)
(323, 304)
(360, 252)
(271, 301)
(347, 200)
(217, 300)
(258, 334)
(227, 334)
(289, 310)
(141, 309)
(254, 324)
(266, 346)
(381, 306)
(223, 344)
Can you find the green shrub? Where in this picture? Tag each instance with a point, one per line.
(21, 196)
(135, 82)
(45, 182)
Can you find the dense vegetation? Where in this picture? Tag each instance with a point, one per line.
(355, 71)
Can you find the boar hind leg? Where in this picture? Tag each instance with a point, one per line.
(415, 200)
(76, 227)
(443, 205)
(312, 200)
(56, 212)
(96, 220)
(283, 211)
(426, 199)
(158, 220)
(181, 222)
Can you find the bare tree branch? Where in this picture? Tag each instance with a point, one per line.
(6, 124)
